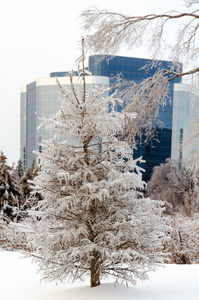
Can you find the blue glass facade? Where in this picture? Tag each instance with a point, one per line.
(154, 152)
(42, 97)
(63, 74)
(131, 68)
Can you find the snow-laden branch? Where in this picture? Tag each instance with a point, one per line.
(109, 31)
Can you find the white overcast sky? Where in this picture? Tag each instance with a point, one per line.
(42, 36)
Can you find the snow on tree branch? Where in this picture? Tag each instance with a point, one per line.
(110, 31)
(144, 99)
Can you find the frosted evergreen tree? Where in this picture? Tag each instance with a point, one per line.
(11, 197)
(25, 185)
(93, 219)
(28, 176)
(19, 168)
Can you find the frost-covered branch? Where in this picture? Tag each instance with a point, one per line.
(111, 30)
(144, 100)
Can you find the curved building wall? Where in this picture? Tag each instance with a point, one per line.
(185, 112)
(154, 153)
(41, 98)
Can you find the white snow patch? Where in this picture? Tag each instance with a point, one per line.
(20, 281)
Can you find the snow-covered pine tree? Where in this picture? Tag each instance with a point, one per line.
(11, 197)
(29, 175)
(93, 219)
(19, 168)
(25, 185)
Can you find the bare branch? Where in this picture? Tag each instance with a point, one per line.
(110, 31)
(175, 75)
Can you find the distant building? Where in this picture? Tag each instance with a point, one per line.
(154, 152)
(41, 96)
(185, 112)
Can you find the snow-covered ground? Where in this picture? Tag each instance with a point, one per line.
(20, 281)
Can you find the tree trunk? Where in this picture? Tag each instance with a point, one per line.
(95, 261)
(95, 271)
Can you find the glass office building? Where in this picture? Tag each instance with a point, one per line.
(185, 113)
(154, 152)
(41, 96)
